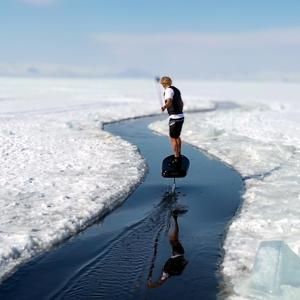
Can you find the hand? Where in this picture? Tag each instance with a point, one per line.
(150, 284)
(163, 108)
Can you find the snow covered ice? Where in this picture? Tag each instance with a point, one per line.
(59, 170)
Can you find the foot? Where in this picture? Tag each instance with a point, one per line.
(176, 160)
(180, 210)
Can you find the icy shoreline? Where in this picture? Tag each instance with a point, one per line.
(262, 142)
(59, 170)
(59, 189)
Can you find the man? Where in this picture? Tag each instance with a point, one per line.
(174, 106)
(176, 264)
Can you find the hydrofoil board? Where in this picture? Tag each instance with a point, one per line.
(175, 170)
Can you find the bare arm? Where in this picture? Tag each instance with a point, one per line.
(157, 283)
(168, 104)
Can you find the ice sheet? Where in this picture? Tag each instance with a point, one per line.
(275, 274)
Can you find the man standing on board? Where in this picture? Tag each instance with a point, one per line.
(174, 106)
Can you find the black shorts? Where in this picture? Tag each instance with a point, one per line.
(175, 126)
(175, 265)
(177, 248)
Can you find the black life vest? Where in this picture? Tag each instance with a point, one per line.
(177, 103)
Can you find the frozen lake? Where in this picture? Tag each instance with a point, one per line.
(50, 144)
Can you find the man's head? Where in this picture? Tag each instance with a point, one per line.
(166, 81)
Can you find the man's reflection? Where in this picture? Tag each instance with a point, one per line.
(176, 263)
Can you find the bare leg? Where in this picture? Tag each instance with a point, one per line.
(173, 235)
(176, 145)
(179, 145)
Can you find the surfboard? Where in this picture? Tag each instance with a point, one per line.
(170, 170)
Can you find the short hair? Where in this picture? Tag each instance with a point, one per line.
(166, 80)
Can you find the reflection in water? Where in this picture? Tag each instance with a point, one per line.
(119, 271)
(175, 265)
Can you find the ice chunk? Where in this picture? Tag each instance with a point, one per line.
(275, 266)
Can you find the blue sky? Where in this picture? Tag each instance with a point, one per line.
(206, 39)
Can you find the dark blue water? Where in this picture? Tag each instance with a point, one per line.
(114, 258)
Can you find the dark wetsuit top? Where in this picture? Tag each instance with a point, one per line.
(177, 103)
(176, 115)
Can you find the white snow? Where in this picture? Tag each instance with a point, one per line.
(59, 170)
(260, 139)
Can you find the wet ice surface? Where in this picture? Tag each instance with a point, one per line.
(261, 139)
(59, 170)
